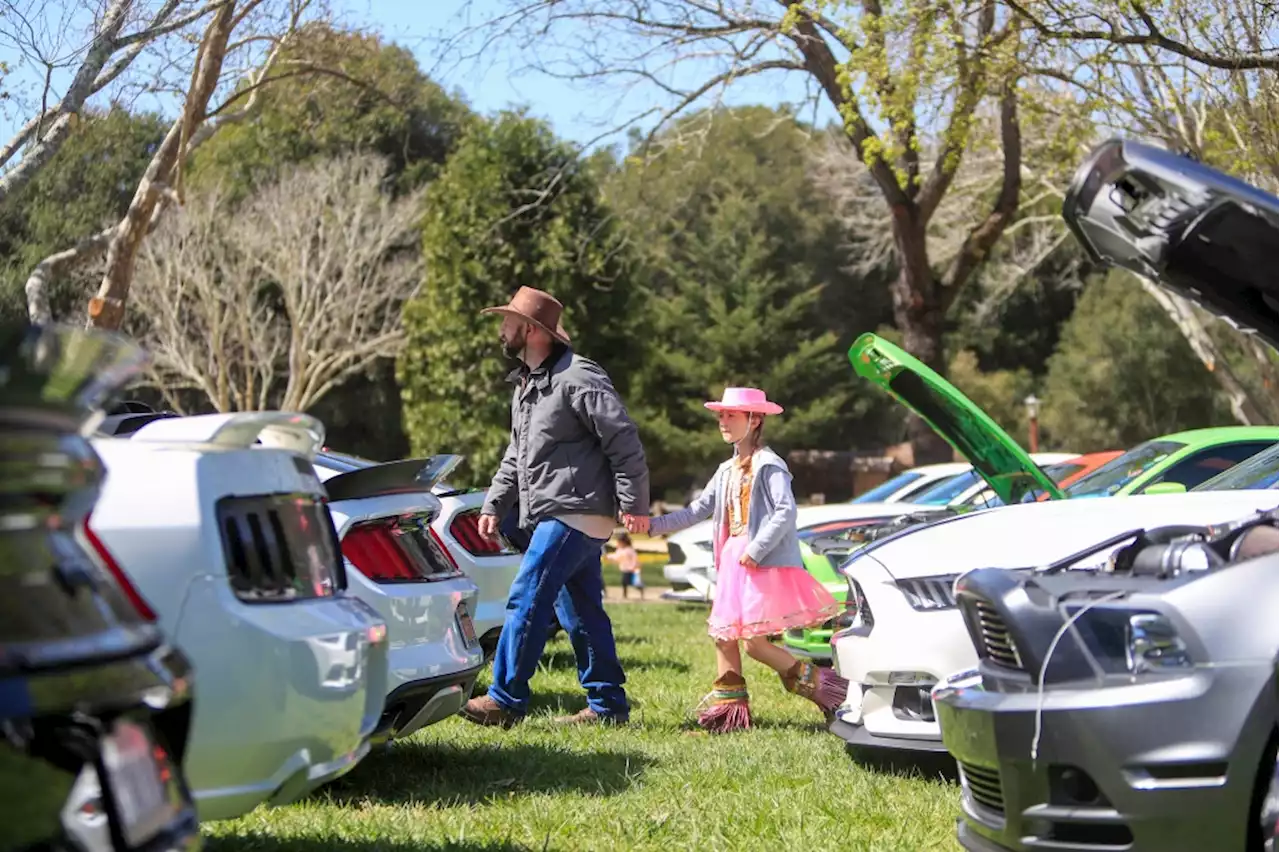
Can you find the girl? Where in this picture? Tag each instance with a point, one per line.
(763, 588)
(628, 562)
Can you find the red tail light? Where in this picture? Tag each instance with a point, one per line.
(122, 579)
(466, 531)
(402, 550)
(374, 550)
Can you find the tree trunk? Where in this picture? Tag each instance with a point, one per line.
(918, 313)
(1244, 407)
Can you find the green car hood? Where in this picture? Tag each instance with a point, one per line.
(997, 457)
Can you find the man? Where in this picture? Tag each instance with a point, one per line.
(574, 461)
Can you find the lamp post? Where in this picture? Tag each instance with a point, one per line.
(1033, 422)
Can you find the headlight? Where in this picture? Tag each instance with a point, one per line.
(1122, 641)
(1153, 645)
(857, 612)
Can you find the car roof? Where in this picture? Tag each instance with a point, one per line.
(1223, 434)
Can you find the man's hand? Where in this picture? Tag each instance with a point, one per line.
(747, 562)
(489, 527)
(636, 523)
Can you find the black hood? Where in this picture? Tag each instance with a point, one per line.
(1201, 233)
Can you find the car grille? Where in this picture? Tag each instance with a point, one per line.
(982, 785)
(925, 593)
(997, 644)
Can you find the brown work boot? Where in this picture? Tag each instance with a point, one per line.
(591, 717)
(485, 711)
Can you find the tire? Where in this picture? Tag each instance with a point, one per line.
(1270, 815)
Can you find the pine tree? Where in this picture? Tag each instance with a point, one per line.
(513, 206)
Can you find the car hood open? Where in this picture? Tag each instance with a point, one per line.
(997, 457)
(1203, 234)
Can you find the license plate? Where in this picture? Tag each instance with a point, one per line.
(467, 626)
(137, 771)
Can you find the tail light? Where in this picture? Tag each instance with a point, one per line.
(280, 548)
(399, 550)
(122, 579)
(465, 529)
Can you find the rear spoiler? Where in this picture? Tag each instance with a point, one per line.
(299, 433)
(409, 476)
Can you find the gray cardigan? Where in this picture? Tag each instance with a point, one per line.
(771, 518)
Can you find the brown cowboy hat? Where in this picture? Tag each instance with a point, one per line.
(535, 306)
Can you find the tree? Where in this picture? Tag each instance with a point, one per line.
(96, 44)
(276, 303)
(513, 206)
(88, 184)
(262, 27)
(905, 76)
(363, 95)
(741, 263)
(1124, 374)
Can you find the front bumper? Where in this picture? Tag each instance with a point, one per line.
(1162, 764)
(893, 665)
(412, 706)
(858, 738)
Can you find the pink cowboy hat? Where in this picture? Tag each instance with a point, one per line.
(746, 400)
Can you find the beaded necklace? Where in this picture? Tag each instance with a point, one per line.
(740, 494)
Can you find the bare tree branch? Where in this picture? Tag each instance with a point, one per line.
(276, 303)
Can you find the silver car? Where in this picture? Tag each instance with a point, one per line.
(1134, 706)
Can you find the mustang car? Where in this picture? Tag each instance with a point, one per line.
(398, 564)
(901, 631)
(220, 523)
(1173, 744)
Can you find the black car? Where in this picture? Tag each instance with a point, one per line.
(94, 704)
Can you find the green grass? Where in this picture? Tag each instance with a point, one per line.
(787, 784)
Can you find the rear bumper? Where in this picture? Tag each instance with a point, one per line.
(412, 706)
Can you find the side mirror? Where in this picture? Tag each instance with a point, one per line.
(1166, 488)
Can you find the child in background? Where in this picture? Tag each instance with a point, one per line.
(628, 562)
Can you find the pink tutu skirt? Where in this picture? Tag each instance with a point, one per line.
(764, 601)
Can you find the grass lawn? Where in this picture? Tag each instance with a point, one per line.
(788, 784)
(650, 570)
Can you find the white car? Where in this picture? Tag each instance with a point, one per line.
(903, 631)
(398, 564)
(491, 565)
(911, 482)
(690, 564)
(220, 523)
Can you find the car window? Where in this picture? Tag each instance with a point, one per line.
(1204, 465)
(948, 489)
(887, 488)
(1256, 473)
(1123, 469)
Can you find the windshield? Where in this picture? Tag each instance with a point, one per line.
(948, 489)
(887, 488)
(1256, 473)
(1123, 469)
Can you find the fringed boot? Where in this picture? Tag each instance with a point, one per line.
(819, 684)
(730, 708)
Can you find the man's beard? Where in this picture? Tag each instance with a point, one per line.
(513, 348)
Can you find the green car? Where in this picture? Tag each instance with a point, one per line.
(1170, 464)
(1175, 463)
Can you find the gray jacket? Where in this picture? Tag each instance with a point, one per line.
(573, 449)
(771, 518)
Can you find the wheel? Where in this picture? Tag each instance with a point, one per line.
(1271, 813)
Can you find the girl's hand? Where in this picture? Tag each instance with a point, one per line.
(747, 562)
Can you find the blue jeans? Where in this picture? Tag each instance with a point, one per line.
(561, 573)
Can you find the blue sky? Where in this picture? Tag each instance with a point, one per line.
(579, 112)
